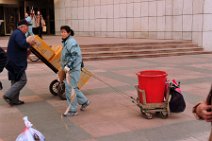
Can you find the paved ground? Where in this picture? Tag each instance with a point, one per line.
(111, 116)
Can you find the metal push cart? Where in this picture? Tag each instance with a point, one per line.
(153, 93)
(50, 55)
(147, 109)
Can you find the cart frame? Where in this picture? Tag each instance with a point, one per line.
(147, 109)
(56, 87)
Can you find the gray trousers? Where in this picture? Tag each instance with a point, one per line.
(14, 91)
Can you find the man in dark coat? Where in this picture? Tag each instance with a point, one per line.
(17, 62)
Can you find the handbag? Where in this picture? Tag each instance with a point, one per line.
(44, 28)
(177, 103)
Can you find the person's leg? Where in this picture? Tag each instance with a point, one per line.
(71, 102)
(81, 98)
(67, 92)
(16, 96)
(34, 30)
(40, 31)
(14, 91)
(37, 31)
(30, 30)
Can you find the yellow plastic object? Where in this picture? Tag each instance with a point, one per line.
(84, 77)
(43, 48)
(56, 48)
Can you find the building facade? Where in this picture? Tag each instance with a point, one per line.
(154, 19)
(11, 11)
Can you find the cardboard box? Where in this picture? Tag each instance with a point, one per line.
(43, 48)
(56, 48)
(55, 60)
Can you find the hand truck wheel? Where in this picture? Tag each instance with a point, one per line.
(61, 91)
(57, 88)
(164, 114)
(147, 115)
(53, 87)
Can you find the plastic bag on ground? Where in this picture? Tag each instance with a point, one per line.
(29, 133)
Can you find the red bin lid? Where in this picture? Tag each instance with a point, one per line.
(152, 73)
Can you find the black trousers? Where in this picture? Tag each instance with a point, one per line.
(38, 31)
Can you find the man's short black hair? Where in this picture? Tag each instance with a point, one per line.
(67, 29)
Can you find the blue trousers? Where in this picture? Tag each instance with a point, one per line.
(80, 98)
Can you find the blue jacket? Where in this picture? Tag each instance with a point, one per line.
(17, 54)
(71, 54)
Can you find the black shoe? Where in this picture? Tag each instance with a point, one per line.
(85, 105)
(70, 113)
(18, 102)
(8, 100)
(1, 87)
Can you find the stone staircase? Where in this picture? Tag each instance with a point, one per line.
(98, 48)
(145, 49)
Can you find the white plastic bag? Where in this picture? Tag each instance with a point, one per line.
(29, 133)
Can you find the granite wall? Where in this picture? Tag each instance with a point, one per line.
(155, 19)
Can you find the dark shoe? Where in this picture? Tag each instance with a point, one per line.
(85, 105)
(70, 113)
(18, 103)
(8, 100)
(1, 87)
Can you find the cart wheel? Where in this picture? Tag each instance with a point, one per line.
(53, 87)
(164, 114)
(61, 91)
(147, 115)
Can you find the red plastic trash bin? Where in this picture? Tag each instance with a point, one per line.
(154, 84)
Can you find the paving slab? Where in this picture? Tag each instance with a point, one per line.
(111, 116)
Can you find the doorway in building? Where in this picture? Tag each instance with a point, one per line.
(2, 32)
(11, 17)
(46, 7)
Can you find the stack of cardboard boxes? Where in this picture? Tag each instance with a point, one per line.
(51, 53)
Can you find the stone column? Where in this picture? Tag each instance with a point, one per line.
(207, 25)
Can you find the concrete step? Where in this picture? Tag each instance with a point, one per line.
(149, 47)
(153, 48)
(146, 55)
(140, 51)
(152, 42)
(145, 48)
